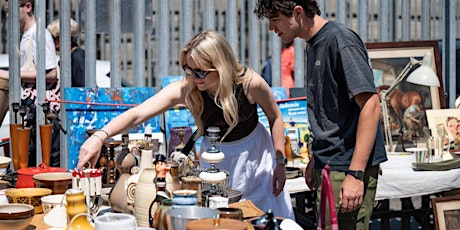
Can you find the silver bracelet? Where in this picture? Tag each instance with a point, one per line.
(106, 133)
(98, 137)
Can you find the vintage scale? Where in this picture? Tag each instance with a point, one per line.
(214, 181)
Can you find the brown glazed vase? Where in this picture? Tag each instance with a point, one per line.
(15, 144)
(45, 137)
(23, 149)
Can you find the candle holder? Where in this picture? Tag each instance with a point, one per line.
(214, 181)
(111, 144)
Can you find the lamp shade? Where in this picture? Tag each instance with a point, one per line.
(424, 74)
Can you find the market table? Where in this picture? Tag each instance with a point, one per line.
(399, 180)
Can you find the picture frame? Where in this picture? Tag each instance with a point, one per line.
(388, 59)
(437, 121)
(446, 211)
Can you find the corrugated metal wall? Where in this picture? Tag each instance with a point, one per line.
(142, 39)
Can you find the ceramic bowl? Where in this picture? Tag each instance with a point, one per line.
(230, 213)
(178, 218)
(185, 193)
(4, 161)
(234, 196)
(16, 216)
(51, 201)
(31, 196)
(58, 182)
(293, 172)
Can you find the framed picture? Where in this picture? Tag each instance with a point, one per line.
(407, 102)
(444, 122)
(446, 212)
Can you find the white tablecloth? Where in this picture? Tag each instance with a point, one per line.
(399, 179)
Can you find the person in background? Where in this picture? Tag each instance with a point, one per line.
(217, 87)
(28, 54)
(343, 106)
(28, 72)
(287, 67)
(77, 53)
(77, 63)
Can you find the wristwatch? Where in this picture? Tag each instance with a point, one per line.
(281, 160)
(356, 174)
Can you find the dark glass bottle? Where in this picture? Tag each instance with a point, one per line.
(271, 223)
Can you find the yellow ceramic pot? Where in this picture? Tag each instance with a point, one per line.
(76, 210)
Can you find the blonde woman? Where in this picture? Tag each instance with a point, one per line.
(77, 55)
(216, 83)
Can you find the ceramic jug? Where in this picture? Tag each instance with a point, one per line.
(76, 210)
(144, 196)
(118, 198)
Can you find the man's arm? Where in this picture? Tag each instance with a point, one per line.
(352, 189)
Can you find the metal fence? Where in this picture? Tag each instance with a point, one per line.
(142, 39)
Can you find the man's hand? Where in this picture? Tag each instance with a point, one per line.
(351, 194)
(309, 177)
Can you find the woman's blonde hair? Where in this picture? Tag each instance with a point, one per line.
(54, 30)
(210, 50)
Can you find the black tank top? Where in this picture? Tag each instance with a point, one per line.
(247, 116)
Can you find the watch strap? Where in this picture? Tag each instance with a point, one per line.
(358, 174)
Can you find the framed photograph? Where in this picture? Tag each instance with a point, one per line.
(446, 212)
(444, 122)
(408, 102)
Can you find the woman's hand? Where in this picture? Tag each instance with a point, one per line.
(279, 179)
(89, 152)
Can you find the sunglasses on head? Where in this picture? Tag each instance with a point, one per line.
(198, 73)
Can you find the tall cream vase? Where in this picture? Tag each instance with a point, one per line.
(131, 182)
(144, 195)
